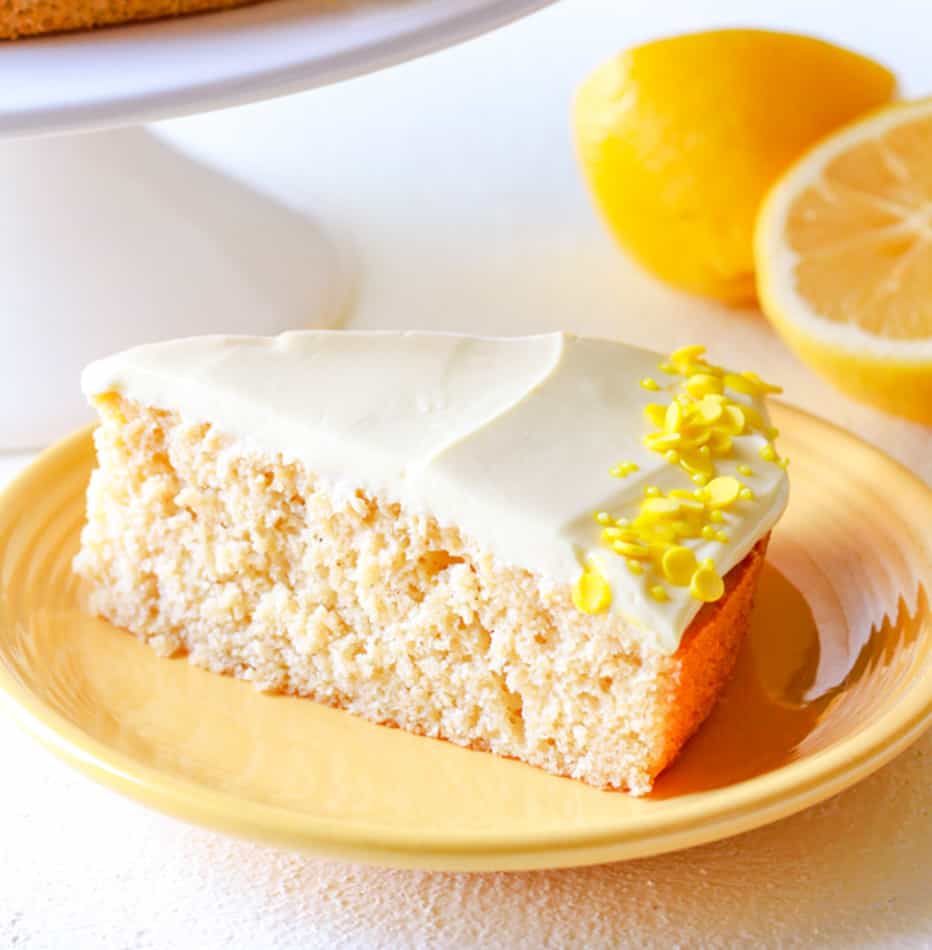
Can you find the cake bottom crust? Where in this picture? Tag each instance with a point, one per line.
(255, 567)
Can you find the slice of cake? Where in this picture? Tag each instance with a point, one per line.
(544, 547)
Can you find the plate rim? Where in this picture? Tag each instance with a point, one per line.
(199, 35)
(714, 815)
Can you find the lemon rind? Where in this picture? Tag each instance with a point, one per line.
(775, 261)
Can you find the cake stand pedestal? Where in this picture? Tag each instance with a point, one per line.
(112, 238)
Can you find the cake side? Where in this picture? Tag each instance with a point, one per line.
(24, 18)
(257, 568)
(707, 657)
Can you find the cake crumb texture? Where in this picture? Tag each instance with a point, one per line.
(20, 18)
(256, 567)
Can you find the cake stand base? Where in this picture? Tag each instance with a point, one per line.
(111, 239)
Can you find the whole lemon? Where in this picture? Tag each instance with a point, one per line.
(680, 139)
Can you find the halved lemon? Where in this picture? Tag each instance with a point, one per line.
(843, 251)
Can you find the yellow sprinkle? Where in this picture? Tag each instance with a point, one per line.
(740, 384)
(783, 463)
(703, 384)
(745, 470)
(686, 354)
(622, 522)
(760, 387)
(662, 441)
(711, 369)
(673, 420)
(652, 491)
(672, 456)
(716, 517)
(655, 413)
(696, 463)
(689, 502)
(635, 566)
(706, 585)
(630, 549)
(699, 478)
(723, 491)
(651, 384)
(768, 453)
(696, 437)
(611, 534)
(658, 593)
(693, 369)
(669, 369)
(662, 534)
(771, 432)
(622, 469)
(678, 565)
(710, 411)
(603, 517)
(746, 494)
(708, 532)
(721, 537)
(720, 443)
(660, 506)
(704, 451)
(754, 419)
(734, 419)
(591, 593)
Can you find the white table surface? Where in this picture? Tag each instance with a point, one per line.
(452, 182)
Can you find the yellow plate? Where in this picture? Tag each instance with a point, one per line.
(827, 689)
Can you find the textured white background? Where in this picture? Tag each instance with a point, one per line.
(452, 181)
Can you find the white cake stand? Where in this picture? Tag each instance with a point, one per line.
(111, 238)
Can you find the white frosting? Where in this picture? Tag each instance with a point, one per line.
(509, 439)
